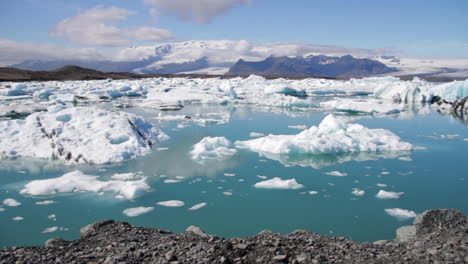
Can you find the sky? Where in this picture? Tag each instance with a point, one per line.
(85, 28)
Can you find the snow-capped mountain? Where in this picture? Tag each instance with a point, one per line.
(217, 56)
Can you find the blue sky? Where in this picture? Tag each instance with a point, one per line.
(415, 28)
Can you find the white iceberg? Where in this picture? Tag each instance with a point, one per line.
(299, 127)
(171, 203)
(400, 214)
(256, 134)
(46, 202)
(171, 181)
(389, 195)
(278, 183)
(50, 229)
(136, 211)
(332, 136)
(11, 202)
(77, 181)
(79, 135)
(337, 173)
(198, 206)
(17, 218)
(358, 192)
(365, 106)
(212, 148)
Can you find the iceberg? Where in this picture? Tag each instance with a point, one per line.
(337, 173)
(46, 202)
(79, 135)
(171, 203)
(77, 181)
(400, 214)
(364, 106)
(212, 148)
(358, 192)
(136, 211)
(388, 195)
(331, 136)
(278, 183)
(11, 202)
(198, 206)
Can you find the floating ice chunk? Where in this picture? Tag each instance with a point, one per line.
(332, 135)
(197, 206)
(17, 218)
(171, 203)
(256, 134)
(229, 174)
(227, 193)
(171, 181)
(368, 106)
(11, 202)
(358, 192)
(299, 127)
(381, 185)
(212, 148)
(161, 149)
(406, 158)
(2, 209)
(77, 181)
(385, 172)
(337, 173)
(79, 135)
(400, 214)
(278, 183)
(262, 176)
(389, 195)
(50, 229)
(136, 211)
(312, 192)
(46, 202)
(127, 176)
(172, 117)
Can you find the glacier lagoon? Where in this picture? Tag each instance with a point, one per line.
(338, 194)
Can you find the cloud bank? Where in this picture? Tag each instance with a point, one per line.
(96, 27)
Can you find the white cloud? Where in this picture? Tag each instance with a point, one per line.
(15, 52)
(96, 26)
(199, 11)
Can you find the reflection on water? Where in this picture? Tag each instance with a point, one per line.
(324, 160)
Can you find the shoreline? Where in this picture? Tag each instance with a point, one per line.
(437, 236)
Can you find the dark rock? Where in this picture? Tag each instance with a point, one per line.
(441, 237)
(56, 242)
(91, 228)
(440, 219)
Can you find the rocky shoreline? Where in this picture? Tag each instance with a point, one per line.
(437, 236)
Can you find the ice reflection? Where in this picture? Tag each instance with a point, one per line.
(320, 161)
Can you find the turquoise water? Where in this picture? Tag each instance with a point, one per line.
(436, 177)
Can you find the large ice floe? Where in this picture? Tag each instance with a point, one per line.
(79, 135)
(212, 148)
(331, 136)
(278, 183)
(77, 181)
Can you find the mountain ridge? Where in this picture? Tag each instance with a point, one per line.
(321, 65)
